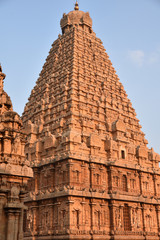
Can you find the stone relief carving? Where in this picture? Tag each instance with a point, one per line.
(118, 218)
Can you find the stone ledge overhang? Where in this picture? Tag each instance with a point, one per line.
(14, 206)
(88, 194)
(16, 170)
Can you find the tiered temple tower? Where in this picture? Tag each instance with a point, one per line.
(14, 169)
(94, 177)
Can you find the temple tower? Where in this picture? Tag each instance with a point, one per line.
(94, 177)
(14, 169)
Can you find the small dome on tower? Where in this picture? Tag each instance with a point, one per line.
(76, 18)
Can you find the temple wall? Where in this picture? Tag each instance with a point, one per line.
(83, 199)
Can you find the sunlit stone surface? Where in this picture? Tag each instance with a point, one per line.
(94, 177)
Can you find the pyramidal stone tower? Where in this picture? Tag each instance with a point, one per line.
(94, 177)
(14, 169)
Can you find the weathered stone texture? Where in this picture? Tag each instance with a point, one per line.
(14, 169)
(94, 177)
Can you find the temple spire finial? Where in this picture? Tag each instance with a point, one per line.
(2, 77)
(76, 6)
(0, 67)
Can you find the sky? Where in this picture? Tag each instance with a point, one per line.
(129, 30)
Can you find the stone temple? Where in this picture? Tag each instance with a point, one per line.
(15, 169)
(94, 176)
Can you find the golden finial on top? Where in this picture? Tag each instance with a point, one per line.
(76, 6)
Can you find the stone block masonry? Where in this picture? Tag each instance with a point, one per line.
(94, 176)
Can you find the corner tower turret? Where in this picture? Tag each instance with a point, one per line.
(5, 101)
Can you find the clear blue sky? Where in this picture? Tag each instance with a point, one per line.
(129, 29)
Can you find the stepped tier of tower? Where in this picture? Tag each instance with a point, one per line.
(94, 177)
